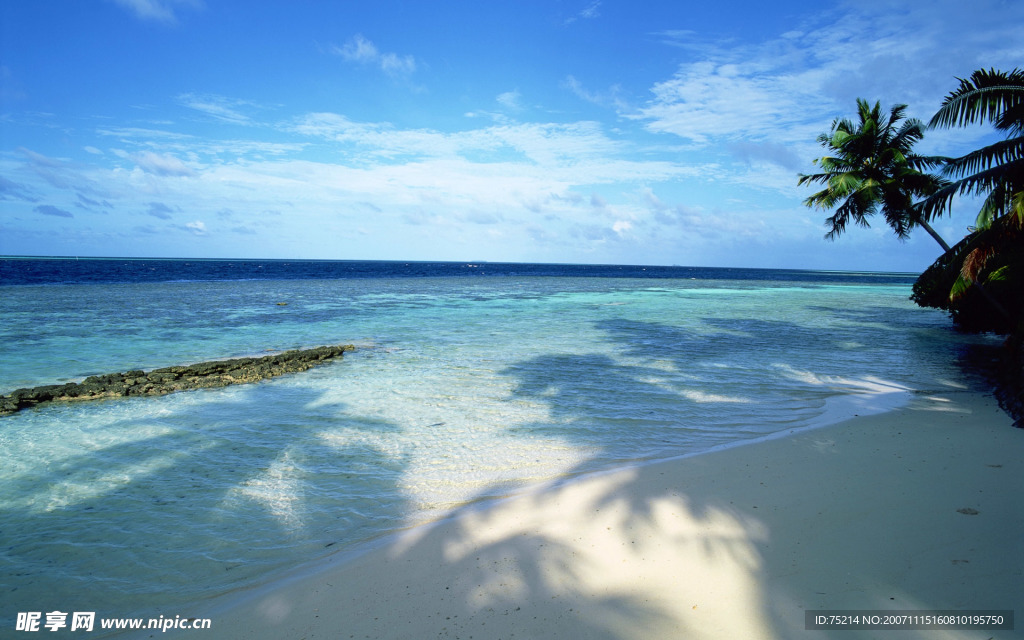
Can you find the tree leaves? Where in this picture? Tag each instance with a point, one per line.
(873, 168)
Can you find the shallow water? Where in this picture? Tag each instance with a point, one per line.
(461, 389)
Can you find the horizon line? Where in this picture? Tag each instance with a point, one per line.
(422, 261)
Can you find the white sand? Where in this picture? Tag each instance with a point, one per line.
(736, 543)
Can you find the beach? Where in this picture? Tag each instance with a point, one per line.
(442, 474)
(913, 509)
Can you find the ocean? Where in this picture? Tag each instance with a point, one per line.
(469, 381)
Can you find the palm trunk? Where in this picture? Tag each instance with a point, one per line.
(927, 227)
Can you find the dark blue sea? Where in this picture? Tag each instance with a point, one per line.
(15, 271)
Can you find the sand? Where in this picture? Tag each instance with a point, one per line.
(919, 508)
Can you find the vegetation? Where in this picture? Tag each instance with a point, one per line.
(872, 168)
(980, 280)
(986, 270)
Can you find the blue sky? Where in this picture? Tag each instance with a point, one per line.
(595, 131)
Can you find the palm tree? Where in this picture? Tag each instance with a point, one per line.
(874, 168)
(995, 171)
(998, 169)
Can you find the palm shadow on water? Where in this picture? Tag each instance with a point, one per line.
(644, 552)
(219, 493)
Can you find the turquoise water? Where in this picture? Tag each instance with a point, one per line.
(460, 390)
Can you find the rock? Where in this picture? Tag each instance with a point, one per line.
(204, 375)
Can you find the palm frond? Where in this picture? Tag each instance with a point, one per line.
(959, 288)
(984, 97)
(1003, 152)
(871, 167)
(975, 261)
(1017, 207)
(975, 184)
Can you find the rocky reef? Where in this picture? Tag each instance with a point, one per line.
(204, 375)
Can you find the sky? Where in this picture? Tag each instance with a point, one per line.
(569, 131)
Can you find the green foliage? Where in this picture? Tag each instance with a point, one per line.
(995, 261)
(871, 168)
(983, 274)
(997, 170)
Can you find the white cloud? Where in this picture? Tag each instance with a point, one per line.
(589, 12)
(157, 10)
(142, 133)
(165, 165)
(592, 10)
(783, 91)
(489, 186)
(197, 227)
(708, 101)
(511, 100)
(612, 98)
(359, 49)
(394, 64)
(219, 107)
(577, 88)
(545, 145)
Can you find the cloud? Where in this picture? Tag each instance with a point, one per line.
(480, 217)
(160, 210)
(10, 190)
(772, 152)
(510, 100)
(576, 87)
(165, 165)
(90, 204)
(612, 98)
(218, 107)
(550, 146)
(784, 90)
(61, 174)
(197, 227)
(591, 11)
(360, 50)
(749, 101)
(50, 210)
(587, 13)
(381, 178)
(140, 133)
(158, 10)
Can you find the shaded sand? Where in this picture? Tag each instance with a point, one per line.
(918, 508)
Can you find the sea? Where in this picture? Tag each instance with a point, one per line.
(469, 382)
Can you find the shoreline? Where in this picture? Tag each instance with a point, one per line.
(914, 508)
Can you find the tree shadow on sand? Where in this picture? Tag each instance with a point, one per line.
(686, 550)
